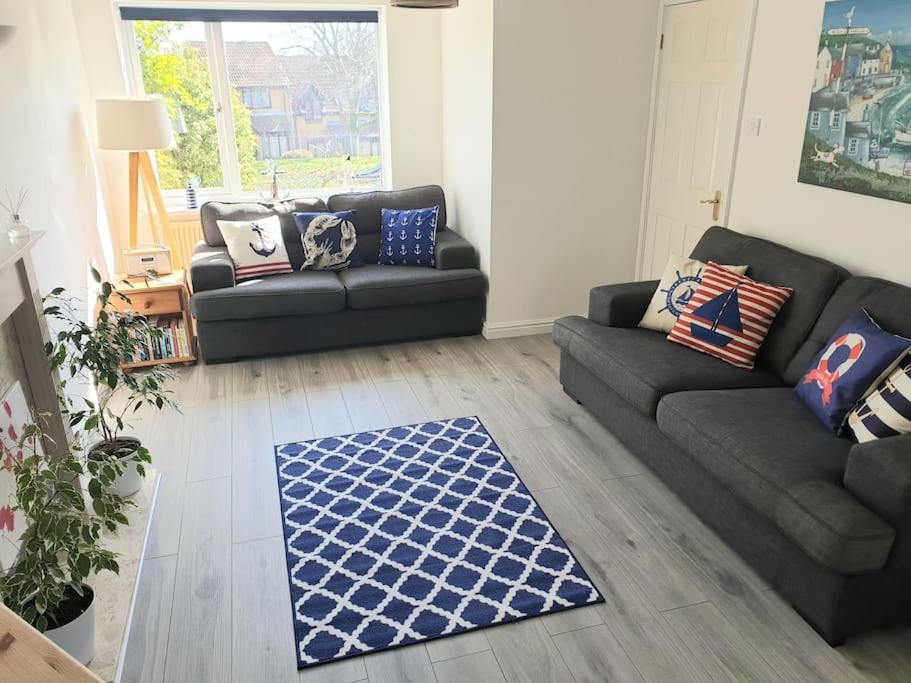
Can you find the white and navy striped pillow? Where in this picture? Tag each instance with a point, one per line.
(887, 411)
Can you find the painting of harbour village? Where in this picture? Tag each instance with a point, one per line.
(858, 128)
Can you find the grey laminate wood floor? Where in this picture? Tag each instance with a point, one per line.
(213, 597)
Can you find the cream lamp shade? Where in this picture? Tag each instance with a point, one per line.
(133, 124)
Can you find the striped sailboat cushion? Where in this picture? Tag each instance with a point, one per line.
(887, 411)
(729, 316)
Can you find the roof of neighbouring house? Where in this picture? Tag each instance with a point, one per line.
(270, 123)
(828, 101)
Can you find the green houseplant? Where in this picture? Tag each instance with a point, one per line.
(62, 543)
(92, 355)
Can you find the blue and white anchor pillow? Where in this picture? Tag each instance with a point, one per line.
(682, 276)
(329, 240)
(408, 238)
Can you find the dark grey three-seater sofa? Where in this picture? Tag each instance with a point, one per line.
(824, 520)
(305, 311)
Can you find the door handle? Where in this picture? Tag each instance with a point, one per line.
(716, 205)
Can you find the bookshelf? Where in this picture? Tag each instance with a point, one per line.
(165, 302)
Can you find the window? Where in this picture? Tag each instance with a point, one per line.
(302, 91)
(852, 147)
(256, 98)
(836, 120)
(815, 120)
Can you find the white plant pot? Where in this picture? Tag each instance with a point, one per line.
(78, 636)
(129, 482)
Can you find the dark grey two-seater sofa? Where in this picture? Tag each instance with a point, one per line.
(824, 520)
(306, 311)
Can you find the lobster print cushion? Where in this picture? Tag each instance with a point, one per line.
(329, 239)
(409, 237)
(729, 316)
(256, 247)
(854, 361)
(682, 276)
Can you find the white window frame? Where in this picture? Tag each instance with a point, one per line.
(815, 120)
(853, 147)
(836, 120)
(221, 93)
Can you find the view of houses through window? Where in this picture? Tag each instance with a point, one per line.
(304, 100)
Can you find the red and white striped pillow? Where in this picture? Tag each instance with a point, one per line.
(729, 316)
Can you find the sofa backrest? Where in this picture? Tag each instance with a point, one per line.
(888, 302)
(370, 205)
(812, 279)
(211, 212)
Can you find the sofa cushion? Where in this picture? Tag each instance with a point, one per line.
(376, 286)
(812, 279)
(281, 295)
(642, 366)
(370, 205)
(767, 447)
(212, 212)
(887, 302)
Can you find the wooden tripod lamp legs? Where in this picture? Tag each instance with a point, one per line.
(141, 171)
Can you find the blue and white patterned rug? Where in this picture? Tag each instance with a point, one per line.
(403, 535)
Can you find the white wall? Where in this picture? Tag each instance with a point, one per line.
(415, 115)
(46, 141)
(467, 97)
(572, 84)
(864, 234)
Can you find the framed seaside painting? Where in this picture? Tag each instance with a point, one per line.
(858, 127)
(14, 417)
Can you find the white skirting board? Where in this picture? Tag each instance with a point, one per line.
(522, 328)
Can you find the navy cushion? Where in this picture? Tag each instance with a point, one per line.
(854, 360)
(408, 237)
(329, 240)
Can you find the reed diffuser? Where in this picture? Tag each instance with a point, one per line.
(18, 226)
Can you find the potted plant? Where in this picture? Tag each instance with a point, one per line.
(61, 546)
(93, 355)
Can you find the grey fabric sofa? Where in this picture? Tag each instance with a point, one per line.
(824, 520)
(305, 311)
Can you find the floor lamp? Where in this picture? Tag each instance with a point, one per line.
(138, 125)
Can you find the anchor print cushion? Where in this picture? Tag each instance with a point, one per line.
(729, 316)
(256, 247)
(682, 276)
(855, 360)
(409, 238)
(329, 239)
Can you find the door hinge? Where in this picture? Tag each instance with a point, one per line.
(661, 47)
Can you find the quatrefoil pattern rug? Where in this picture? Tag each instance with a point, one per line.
(403, 535)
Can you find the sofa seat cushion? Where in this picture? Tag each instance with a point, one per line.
(642, 366)
(376, 286)
(774, 455)
(278, 296)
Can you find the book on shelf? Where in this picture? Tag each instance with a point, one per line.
(171, 341)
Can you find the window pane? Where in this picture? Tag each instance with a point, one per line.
(172, 55)
(310, 104)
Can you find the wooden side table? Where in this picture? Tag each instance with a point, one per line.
(164, 301)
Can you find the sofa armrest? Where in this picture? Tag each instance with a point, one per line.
(879, 474)
(211, 268)
(620, 305)
(453, 251)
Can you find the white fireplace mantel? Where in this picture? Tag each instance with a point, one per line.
(20, 302)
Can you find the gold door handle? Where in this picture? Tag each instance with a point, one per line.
(716, 205)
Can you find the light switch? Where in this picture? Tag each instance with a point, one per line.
(754, 126)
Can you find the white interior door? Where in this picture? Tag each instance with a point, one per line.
(700, 82)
